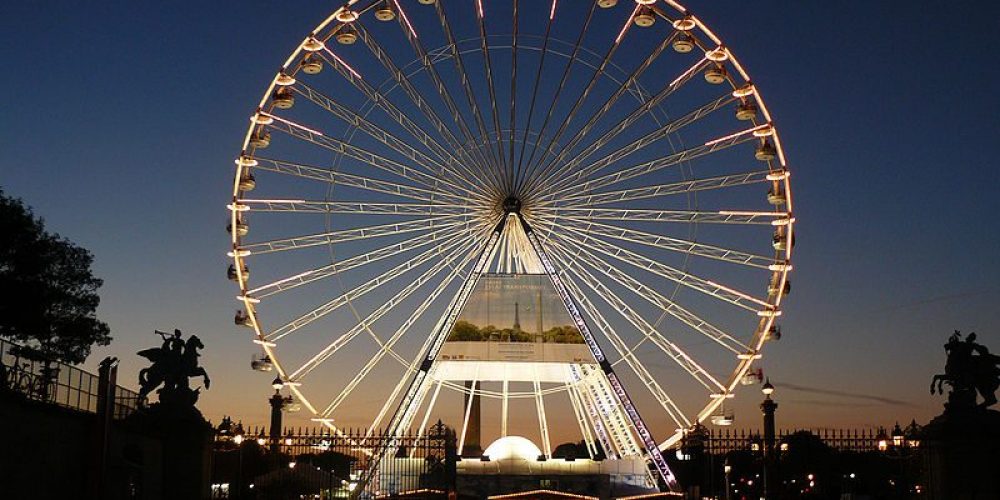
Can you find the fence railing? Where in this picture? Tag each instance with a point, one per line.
(57, 383)
(856, 440)
(318, 463)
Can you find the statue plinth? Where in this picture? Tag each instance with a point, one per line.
(960, 449)
(185, 438)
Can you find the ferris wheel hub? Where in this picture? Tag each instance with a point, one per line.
(512, 204)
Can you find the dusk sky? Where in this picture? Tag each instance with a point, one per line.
(121, 121)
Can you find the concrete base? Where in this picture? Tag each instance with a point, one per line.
(960, 451)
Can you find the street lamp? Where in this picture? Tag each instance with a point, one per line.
(897, 436)
(882, 441)
(768, 407)
(727, 469)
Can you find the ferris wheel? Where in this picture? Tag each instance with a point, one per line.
(406, 150)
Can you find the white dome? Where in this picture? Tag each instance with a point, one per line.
(512, 447)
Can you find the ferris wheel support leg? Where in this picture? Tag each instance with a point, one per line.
(504, 405)
(391, 438)
(623, 399)
(581, 420)
(468, 413)
(427, 415)
(543, 425)
(596, 419)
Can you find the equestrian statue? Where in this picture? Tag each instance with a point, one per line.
(970, 368)
(173, 365)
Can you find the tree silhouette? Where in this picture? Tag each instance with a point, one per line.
(50, 295)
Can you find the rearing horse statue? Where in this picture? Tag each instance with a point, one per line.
(173, 364)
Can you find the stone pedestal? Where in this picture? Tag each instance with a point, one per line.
(961, 449)
(186, 439)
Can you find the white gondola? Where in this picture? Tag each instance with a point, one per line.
(753, 377)
(715, 74)
(780, 241)
(283, 98)
(312, 64)
(683, 44)
(385, 12)
(606, 4)
(247, 181)
(746, 111)
(774, 333)
(776, 197)
(723, 417)
(260, 139)
(242, 319)
(261, 363)
(346, 35)
(233, 275)
(645, 17)
(773, 288)
(765, 152)
(242, 228)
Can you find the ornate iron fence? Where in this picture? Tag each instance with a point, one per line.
(318, 463)
(856, 440)
(57, 383)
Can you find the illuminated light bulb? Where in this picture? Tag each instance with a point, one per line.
(764, 131)
(246, 161)
(347, 16)
(312, 45)
(684, 24)
(744, 91)
(718, 55)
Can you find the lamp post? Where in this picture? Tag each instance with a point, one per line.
(768, 407)
(900, 446)
(277, 402)
(727, 469)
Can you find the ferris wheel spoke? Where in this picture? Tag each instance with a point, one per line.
(369, 158)
(362, 289)
(360, 208)
(577, 46)
(646, 329)
(446, 96)
(708, 287)
(471, 101)
(739, 217)
(395, 300)
(583, 226)
(352, 234)
(484, 45)
(380, 134)
(555, 167)
(391, 342)
(654, 297)
(393, 112)
(306, 277)
(331, 176)
(651, 166)
(403, 81)
(572, 173)
(589, 88)
(512, 120)
(668, 189)
(531, 107)
(627, 355)
(383, 102)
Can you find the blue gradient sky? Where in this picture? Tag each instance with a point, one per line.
(121, 119)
